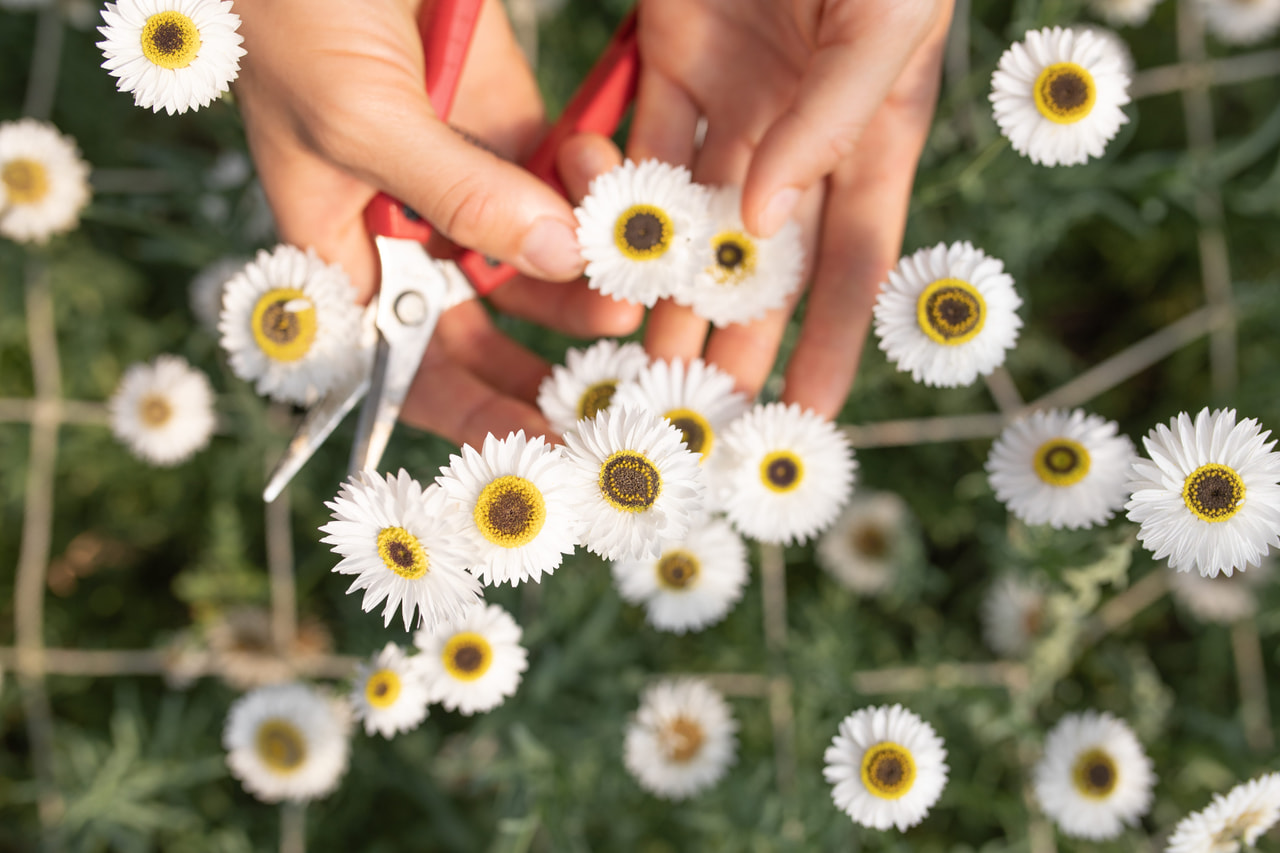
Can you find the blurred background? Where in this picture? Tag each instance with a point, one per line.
(1149, 281)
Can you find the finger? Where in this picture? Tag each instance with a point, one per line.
(665, 120)
(581, 158)
(470, 340)
(843, 86)
(447, 400)
(568, 307)
(862, 237)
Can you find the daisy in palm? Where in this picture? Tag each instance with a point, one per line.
(474, 663)
(389, 694)
(173, 55)
(586, 383)
(1209, 497)
(44, 184)
(515, 495)
(681, 740)
(404, 546)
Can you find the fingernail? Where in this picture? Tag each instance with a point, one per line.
(777, 211)
(550, 249)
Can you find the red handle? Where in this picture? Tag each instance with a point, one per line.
(446, 28)
(597, 107)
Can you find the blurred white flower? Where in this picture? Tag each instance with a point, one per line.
(163, 411)
(1222, 598)
(1240, 817)
(43, 182)
(1124, 12)
(681, 740)
(1013, 615)
(1241, 21)
(206, 289)
(862, 549)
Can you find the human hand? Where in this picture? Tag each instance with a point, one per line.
(820, 108)
(335, 110)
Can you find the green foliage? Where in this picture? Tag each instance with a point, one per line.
(1103, 255)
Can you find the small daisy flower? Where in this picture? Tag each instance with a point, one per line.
(948, 315)
(1242, 816)
(643, 229)
(1057, 96)
(1062, 469)
(1241, 21)
(206, 289)
(290, 324)
(862, 548)
(747, 276)
(472, 664)
(286, 742)
(587, 382)
(389, 693)
(173, 55)
(635, 483)
(404, 547)
(1223, 599)
(1130, 13)
(694, 582)
(1208, 498)
(43, 182)
(516, 496)
(698, 399)
(887, 767)
(163, 411)
(787, 473)
(681, 740)
(1013, 615)
(1094, 778)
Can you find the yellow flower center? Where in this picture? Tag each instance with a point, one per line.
(735, 255)
(643, 232)
(1094, 774)
(678, 570)
(170, 40)
(284, 324)
(510, 512)
(781, 471)
(25, 181)
(280, 745)
(1061, 462)
(402, 553)
(697, 432)
(154, 410)
(951, 311)
(383, 688)
(596, 398)
(888, 770)
(467, 656)
(682, 739)
(1213, 492)
(629, 481)
(1065, 93)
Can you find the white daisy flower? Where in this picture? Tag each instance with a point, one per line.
(1224, 599)
(635, 483)
(1118, 13)
(43, 182)
(1208, 498)
(787, 473)
(682, 738)
(290, 324)
(1064, 469)
(644, 231)
(585, 385)
(948, 315)
(1241, 21)
(516, 497)
(1242, 816)
(698, 399)
(862, 548)
(163, 411)
(286, 742)
(173, 55)
(1057, 96)
(1094, 778)
(887, 767)
(404, 546)
(473, 663)
(1013, 615)
(389, 693)
(747, 276)
(206, 289)
(694, 583)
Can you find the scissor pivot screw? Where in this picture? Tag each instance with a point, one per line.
(411, 308)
